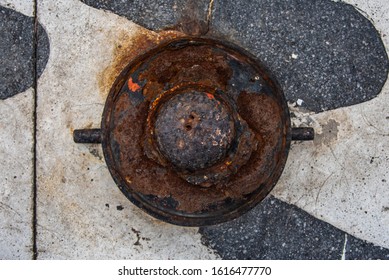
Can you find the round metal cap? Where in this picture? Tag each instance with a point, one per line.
(196, 131)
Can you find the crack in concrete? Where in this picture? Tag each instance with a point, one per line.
(8, 208)
(35, 123)
(321, 187)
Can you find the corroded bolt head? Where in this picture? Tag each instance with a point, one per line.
(194, 130)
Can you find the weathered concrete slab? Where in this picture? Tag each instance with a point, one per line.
(16, 134)
(342, 176)
(81, 212)
(16, 142)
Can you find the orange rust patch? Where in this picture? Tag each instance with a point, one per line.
(210, 95)
(132, 85)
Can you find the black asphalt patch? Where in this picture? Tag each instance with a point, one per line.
(17, 52)
(325, 54)
(276, 230)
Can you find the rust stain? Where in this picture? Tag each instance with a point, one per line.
(329, 133)
(126, 49)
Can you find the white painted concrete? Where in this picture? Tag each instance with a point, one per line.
(16, 142)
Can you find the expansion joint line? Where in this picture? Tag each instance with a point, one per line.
(34, 175)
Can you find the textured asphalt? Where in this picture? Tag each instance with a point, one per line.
(17, 53)
(277, 230)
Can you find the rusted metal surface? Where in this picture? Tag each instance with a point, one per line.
(303, 134)
(195, 131)
(87, 135)
(198, 133)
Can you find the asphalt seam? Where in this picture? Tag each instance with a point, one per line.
(35, 86)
